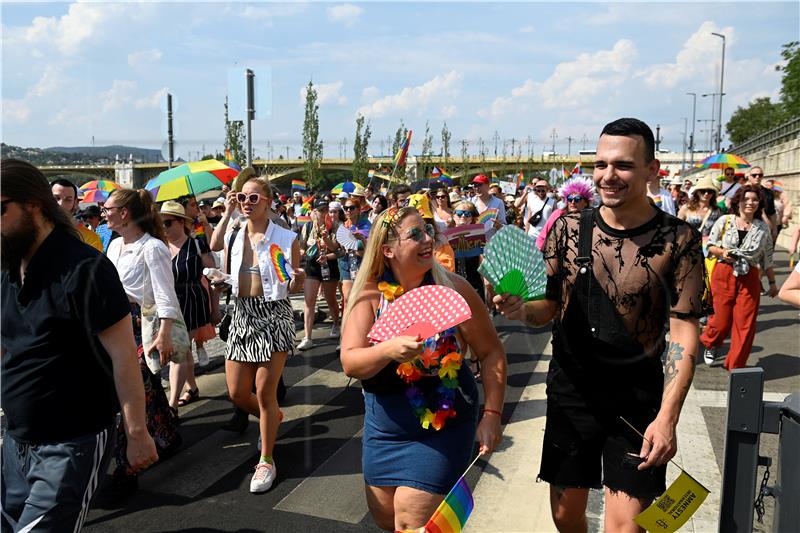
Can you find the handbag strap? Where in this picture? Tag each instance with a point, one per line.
(228, 258)
(584, 259)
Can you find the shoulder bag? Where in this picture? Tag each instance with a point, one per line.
(710, 263)
(225, 323)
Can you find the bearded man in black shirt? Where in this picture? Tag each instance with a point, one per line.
(616, 275)
(68, 361)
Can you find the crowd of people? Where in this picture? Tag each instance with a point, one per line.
(626, 260)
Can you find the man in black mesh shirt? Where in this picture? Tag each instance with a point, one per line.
(616, 275)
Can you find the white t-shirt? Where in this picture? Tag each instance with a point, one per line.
(493, 203)
(729, 189)
(533, 205)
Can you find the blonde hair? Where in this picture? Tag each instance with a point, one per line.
(466, 205)
(374, 264)
(263, 182)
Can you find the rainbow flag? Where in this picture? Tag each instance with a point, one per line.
(230, 161)
(299, 185)
(442, 175)
(487, 215)
(577, 169)
(520, 179)
(400, 156)
(565, 173)
(453, 512)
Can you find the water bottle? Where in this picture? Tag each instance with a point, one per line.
(325, 271)
(215, 275)
(352, 258)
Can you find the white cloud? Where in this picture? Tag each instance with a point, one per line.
(68, 33)
(118, 95)
(153, 101)
(418, 98)
(50, 82)
(347, 14)
(370, 93)
(326, 93)
(698, 60)
(16, 110)
(448, 111)
(144, 57)
(572, 84)
(527, 29)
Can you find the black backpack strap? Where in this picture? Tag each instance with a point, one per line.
(584, 259)
(228, 258)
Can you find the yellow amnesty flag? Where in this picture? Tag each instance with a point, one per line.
(673, 508)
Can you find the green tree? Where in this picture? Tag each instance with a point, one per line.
(748, 122)
(360, 151)
(790, 83)
(399, 137)
(234, 138)
(446, 135)
(427, 149)
(312, 146)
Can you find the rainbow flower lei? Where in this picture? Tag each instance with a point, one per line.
(439, 357)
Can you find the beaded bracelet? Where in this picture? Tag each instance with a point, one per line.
(492, 411)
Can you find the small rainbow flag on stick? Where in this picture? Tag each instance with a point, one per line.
(279, 262)
(520, 179)
(400, 157)
(453, 512)
(299, 185)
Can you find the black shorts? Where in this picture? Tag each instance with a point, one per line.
(313, 272)
(590, 447)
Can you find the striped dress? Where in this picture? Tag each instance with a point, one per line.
(187, 268)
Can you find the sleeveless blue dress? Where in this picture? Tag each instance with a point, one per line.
(397, 450)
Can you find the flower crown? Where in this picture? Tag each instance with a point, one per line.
(390, 217)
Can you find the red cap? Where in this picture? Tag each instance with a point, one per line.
(282, 198)
(481, 178)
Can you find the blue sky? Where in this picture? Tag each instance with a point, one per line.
(71, 71)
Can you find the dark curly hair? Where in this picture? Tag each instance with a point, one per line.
(739, 198)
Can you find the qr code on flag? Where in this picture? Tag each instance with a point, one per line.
(665, 503)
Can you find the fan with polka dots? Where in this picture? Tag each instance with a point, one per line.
(422, 312)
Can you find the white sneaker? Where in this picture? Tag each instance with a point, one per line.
(305, 344)
(709, 356)
(335, 330)
(202, 356)
(263, 477)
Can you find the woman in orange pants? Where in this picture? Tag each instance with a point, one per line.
(743, 245)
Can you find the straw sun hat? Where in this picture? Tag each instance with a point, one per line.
(174, 209)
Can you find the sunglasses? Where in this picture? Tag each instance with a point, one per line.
(462, 213)
(757, 175)
(252, 198)
(106, 210)
(418, 234)
(441, 197)
(168, 222)
(572, 198)
(350, 207)
(539, 189)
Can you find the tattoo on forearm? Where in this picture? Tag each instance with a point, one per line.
(674, 354)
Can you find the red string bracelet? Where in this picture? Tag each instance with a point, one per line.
(498, 413)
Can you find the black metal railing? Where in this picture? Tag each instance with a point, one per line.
(748, 417)
(785, 132)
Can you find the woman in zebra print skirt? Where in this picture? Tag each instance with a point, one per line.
(262, 328)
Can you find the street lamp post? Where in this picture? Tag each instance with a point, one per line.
(713, 118)
(691, 139)
(721, 92)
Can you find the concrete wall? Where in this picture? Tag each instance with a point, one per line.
(782, 163)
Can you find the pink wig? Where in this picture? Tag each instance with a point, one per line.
(582, 186)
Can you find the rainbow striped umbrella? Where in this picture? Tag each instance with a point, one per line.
(723, 161)
(95, 196)
(190, 179)
(348, 187)
(100, 185)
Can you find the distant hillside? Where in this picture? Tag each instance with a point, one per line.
(81, 155)
(144, 155)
